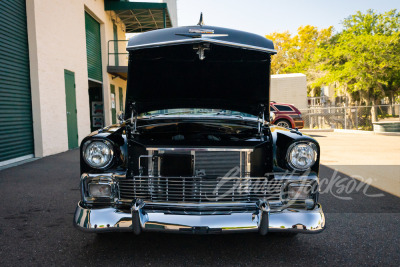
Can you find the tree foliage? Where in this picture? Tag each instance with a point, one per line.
(361, 61)
(295, 53)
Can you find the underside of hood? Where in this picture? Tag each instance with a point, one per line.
(198, 73)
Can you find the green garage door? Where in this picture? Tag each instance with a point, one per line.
(93, 48)
(16, 135)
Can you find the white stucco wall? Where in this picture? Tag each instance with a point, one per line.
(57, 41)
(172, 9)
(289, 88)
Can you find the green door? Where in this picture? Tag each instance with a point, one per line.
(16, 133)
(72, 121)
(115, 29)
(93, 48)
(121, 99)
(113, 110)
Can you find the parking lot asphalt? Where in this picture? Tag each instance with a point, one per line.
(375, 158)
(39, 199)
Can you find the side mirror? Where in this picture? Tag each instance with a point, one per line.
(121, 117)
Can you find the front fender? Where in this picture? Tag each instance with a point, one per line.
(114, 134)
(282, 138)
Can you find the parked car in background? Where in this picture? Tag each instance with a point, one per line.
(286, 115)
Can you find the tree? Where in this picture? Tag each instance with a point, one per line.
(282, 44)
(363, 59)
(295, 53)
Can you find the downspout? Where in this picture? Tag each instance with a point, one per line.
(164, 18)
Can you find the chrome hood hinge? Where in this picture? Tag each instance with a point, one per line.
(133, 119)
(261, 116)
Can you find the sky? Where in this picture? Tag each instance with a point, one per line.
(265, 16)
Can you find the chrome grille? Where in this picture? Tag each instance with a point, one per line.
(206, 163)
(217, 163)
(199, 189)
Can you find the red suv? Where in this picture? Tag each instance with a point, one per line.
(286, 115)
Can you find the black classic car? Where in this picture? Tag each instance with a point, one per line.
(195, 151)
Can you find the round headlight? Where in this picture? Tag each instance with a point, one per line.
(302, 156)
(98, 154)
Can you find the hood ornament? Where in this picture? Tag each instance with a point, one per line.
(201, 22)
(201, 32)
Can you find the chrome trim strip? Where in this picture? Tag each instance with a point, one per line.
(198, 149)
(199, 40)
(202, 205)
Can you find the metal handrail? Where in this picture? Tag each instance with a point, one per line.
(110, 53)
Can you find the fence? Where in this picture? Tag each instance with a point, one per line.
(352, 117)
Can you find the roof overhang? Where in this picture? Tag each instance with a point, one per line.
(140, 16)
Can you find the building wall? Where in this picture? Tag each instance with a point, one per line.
(172, 8)
(57, 41)
(289, 88)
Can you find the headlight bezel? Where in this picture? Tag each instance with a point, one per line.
(110, 147)
(313, 146)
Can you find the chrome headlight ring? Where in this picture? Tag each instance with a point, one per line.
(301, 155)
(98, 153)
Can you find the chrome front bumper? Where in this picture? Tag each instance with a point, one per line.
(248, 217)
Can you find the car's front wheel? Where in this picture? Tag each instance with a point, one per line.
(283, 123)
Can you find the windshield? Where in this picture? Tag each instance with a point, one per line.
(195, 111)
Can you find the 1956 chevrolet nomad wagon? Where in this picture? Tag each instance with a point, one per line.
(195, 151)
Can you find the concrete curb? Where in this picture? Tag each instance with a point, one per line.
(353, 131)
(366, 132)
(349, 131)
(387, 133)
(316, 130)
(17, 163)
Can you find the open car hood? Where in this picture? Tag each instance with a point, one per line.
(198, 67)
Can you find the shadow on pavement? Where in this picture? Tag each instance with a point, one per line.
(39, 200)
